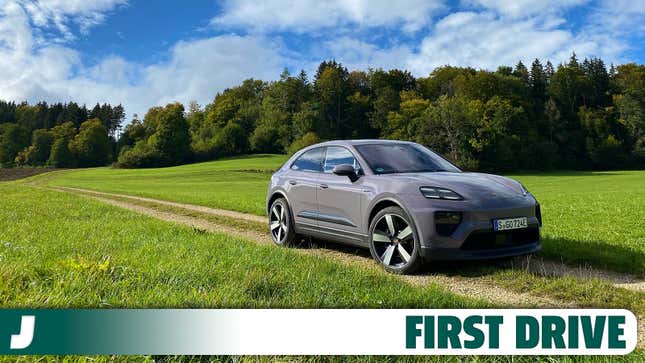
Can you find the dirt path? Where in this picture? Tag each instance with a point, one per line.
(196, 208)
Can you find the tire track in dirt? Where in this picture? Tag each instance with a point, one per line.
(192, 207)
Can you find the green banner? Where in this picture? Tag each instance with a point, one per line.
(318, 331)
(135, 331)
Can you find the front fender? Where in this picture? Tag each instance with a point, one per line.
(270, 196)
(386, 197)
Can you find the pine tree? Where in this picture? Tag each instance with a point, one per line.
(548, 71)
(521, 72)
(538, 80)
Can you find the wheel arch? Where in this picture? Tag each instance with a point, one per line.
(385, 202)
(277, 194)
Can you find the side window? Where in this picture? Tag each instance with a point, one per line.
(309, 161)
(337, 155)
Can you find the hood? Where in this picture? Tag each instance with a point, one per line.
(468, 185)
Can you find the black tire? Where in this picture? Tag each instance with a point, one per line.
(284, 234)
(401, 260)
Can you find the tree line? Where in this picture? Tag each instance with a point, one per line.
(578, 115)
(58, 135)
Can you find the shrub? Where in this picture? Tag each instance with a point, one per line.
(21, 158)
(142, 155)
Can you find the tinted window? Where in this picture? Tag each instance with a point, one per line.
(309, 161)
(403, 158)
(337, 155)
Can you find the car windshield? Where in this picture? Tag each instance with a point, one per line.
(403, 158)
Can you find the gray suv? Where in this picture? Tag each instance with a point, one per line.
(403, 202)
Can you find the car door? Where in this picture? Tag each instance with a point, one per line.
(340, 200)
(301, 185)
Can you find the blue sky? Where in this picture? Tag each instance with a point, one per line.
(144, 53)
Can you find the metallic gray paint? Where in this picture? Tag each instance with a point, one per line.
(345, 206)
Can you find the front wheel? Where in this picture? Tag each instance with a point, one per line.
(394, 242)
(281, 223)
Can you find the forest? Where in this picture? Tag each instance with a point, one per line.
(580, 114)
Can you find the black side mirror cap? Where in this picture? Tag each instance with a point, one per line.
(346, 170)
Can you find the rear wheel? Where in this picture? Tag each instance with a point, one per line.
(394, 242)
(281, 223)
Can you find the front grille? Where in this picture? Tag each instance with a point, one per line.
(501, 239)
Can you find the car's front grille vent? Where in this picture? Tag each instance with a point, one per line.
(501, 239)
(446, 222)
(538, 214)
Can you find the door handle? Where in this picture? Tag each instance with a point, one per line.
(293, 182)
(324, 186)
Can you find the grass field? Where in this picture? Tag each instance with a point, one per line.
(594, 217)
(73, 252)
(589, 217)
(63, 250)
(581, 290)
(238, 184)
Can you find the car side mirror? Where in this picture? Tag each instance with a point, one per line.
(346, 170)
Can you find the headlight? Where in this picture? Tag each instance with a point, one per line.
(439, 193)
(524, 190)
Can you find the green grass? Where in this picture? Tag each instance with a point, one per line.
(238, 184)
(584, 292)
(591, 218)
(61, 250)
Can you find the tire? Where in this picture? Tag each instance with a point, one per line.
(282, 233)
(397, 251)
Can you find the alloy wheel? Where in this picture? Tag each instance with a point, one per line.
(393, 240)
(278, 223)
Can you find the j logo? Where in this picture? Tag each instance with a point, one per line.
(23, 340)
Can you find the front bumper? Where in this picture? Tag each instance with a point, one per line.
(475, 238)
(440, 254)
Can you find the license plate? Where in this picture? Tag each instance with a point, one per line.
(509, 223)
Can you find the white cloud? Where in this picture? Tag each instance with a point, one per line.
(198, 69)
(36, 69)
(619, 17)
(35, 65)
(481, 40)
(308, 15)
(484, 40)
(360, 55)
(59, 13)
(522, 8)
